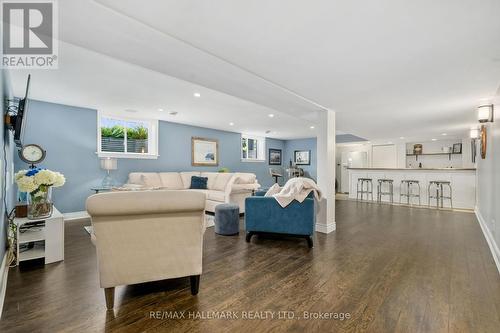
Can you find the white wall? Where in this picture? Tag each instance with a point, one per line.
(438, 161)
(488, 187)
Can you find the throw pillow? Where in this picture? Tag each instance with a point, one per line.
(275, 189)
(199, 183)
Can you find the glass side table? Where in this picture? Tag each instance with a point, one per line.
(98, 189)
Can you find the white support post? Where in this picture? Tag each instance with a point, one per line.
(325, 219)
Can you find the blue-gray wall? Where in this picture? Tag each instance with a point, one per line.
(301, 144)
(6, 166)
(69, 136)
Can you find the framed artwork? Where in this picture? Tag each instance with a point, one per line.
(274, 156)
(204, 152)
(457, 148)
(484, 141)
(302, 157)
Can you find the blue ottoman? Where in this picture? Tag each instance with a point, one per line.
(227, 219)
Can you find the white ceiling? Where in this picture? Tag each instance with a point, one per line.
(89, 79)
(389, 68)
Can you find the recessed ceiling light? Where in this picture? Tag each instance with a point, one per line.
(433, 139)
(401, 137)
(197, 95)
(160, 109)
(311, 127)
(444, 134)
(389, 143)
(270, 115)
(172, 113)
(231, 124)
(131, 110)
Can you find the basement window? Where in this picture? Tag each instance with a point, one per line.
(252, 149)
(127, 137)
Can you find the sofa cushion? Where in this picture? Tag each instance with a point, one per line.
(199, 183)
(171, 180)
(212, 176)
(216, 195)
(221, 181)
(186, 178)
(148, 179)
(244, 178)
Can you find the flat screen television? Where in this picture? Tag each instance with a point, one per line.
(19, 123)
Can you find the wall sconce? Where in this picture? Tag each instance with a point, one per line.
(485, 113)
(474, 133)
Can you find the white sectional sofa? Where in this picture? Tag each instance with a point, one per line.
(221, 187)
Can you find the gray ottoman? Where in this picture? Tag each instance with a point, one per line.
(227, 219)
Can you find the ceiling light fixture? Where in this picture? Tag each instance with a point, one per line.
(172, 113)
(444, 134)
(402, 137)
(231, 124)
(270, 115)
(268, 131)
(433, 139)
(197, 95)
(131, 110)
(160, 109)
(389, 143)
(311, 127)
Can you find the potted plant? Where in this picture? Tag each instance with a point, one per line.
(38, 183)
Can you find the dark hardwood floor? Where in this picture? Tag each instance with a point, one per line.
(392, 269)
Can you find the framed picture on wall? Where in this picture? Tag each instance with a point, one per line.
(302, 157)
(457, 148)
(274, 156)
(204, 152)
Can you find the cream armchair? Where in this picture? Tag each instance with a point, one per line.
(144, 236)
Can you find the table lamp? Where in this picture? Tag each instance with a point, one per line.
(108, 164)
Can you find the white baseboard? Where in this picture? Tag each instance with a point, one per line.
(495, 251)
(73, 216)
(4, 272)
(326, 228)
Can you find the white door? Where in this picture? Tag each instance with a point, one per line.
(384, 156)
(352, 159)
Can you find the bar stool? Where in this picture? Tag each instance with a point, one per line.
(390, 191)
(360, 188)
(438, 186)
(409, 185)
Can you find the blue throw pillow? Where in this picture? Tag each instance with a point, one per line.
(199, 183)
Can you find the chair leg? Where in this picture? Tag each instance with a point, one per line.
(248, 236)
(195, 284)
(109, 293)
(309, 241)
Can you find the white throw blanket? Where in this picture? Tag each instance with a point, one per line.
(297, 189)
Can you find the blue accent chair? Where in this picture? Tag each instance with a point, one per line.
(265, 215)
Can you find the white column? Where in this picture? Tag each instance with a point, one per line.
(325, 219)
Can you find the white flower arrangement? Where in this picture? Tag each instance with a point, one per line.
(37, 180)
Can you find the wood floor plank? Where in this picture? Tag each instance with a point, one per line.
(390, 268)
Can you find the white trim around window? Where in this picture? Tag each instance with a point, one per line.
(260, 147)
(152, 144)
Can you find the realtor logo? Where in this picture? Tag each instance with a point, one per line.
(29, 34)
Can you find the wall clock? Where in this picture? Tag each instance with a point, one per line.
(483, 142)
(32, 154)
